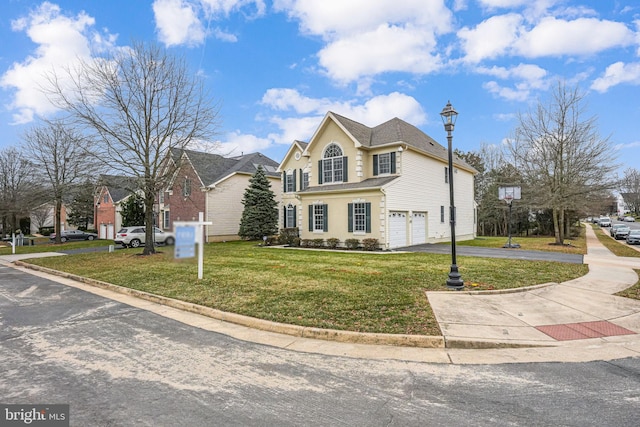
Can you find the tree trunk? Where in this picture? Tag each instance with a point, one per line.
(149, 245)
(58, 223)
(556, 227)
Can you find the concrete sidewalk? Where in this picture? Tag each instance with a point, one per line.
(547, 315)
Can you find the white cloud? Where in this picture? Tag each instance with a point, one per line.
(386, 48)
(507, 35)
(182, 22)
(491, 38)
(520, 93)
(374, 111)
(616, 74)
(362, 40)
(237, 143)
(178, 23)
(628, 145)
(555, 37)
(61, 42)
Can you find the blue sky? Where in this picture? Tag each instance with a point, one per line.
(277, 67)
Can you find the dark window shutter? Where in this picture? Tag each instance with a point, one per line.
(284, 181)
(284, 222)
(367, 207)
(301, 178)
(350, 217)
(319, 171)
(310, 217)
(393, 162)
(295, 217)
(293, 175)
(345, 170)
(325, 217)
(375, 165)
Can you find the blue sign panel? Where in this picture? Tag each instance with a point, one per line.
(185, 242)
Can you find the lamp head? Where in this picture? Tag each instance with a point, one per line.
(449, 116)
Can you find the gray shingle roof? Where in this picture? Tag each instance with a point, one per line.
(397, 131)
(213, 167)
(119, 187)
(367, 183)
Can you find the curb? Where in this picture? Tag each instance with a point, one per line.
(420, 341)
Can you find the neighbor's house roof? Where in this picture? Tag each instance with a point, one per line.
(212, 168)
(120, 187)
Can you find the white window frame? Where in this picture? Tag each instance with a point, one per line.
(384, 164)
(332, 164)
(318, 218)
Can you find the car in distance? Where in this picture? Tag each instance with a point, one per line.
(604, 222)
(621, 233)
(633, 238)
(134, 236)
(629, 219)
(67, 235)
(614, 227)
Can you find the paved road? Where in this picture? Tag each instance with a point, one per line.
(513, 253)
(117, 365)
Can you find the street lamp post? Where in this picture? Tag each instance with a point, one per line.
(449, 116)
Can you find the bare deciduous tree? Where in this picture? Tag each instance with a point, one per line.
(19, 191)
(57, 152)
(561, 155)
(630, 189)
(139, 104)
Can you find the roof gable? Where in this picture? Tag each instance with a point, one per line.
(211, 168)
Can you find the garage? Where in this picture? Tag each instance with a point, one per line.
(418, 228)
(397, 229)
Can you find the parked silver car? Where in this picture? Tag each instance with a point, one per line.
(621, 232)
(135, 236)
(604, 222)
(634, 237)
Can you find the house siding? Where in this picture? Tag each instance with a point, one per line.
(224, 206)
(422, 188)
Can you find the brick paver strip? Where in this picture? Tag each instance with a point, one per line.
(584, 330)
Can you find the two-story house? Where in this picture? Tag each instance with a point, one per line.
(111, 192)
(212, 184)
(389, 182)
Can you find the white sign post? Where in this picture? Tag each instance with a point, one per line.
(184, 238)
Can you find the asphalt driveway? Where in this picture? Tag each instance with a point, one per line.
(513, 253)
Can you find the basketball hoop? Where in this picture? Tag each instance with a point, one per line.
(508, 198)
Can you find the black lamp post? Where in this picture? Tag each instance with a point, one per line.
(449, 116)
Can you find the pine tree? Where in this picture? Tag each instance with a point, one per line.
(133, 211)
(260, 214)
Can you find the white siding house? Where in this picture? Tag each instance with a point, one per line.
(387, 183)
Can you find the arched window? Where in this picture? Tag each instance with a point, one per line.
(333, 164)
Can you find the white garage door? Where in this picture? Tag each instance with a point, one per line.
(418, 228)
(397, 229)
(110, 232)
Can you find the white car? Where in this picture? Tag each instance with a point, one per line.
(134, 236)
(629, 219)
(604, 222)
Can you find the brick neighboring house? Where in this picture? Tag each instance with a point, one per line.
(212, 184)
(388, 182)
(111, 192)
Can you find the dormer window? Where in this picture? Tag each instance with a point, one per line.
(333, 166)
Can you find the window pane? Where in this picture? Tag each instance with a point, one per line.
(359, 217)
(318, 218)
(337, 169)
(289, 183)
(384, 163)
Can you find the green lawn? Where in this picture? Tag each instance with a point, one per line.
(535, 243)
(44, 245)
(618, 247)
(366, 292)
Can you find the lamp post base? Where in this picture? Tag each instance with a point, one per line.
(454, 281)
